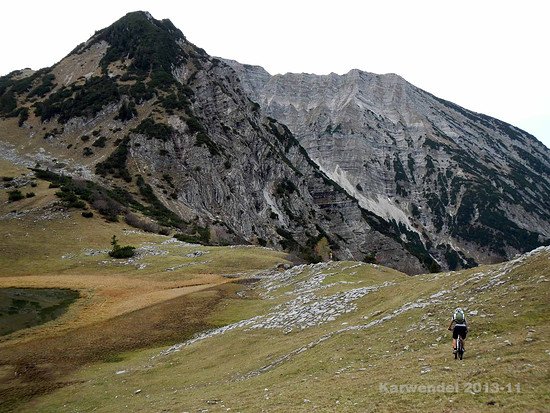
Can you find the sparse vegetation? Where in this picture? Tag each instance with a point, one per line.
(85, 100)
(45, 87)
(155, 130)
(152, 48)
(115, 164)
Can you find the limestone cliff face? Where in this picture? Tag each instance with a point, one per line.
(139, 110)
(473, 187)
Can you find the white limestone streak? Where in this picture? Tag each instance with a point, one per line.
(305, 311)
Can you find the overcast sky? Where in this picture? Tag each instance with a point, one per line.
(488, 56)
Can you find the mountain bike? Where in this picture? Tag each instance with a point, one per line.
(459, 347)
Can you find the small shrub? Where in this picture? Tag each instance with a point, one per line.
(29, 194)
(194, 125)
(15, 195)
(87, 151)
(164, 231)
(34, 184)
(100, 142)
(168, 180)
(203, 139)
(370, 258)
(285, 187)
(120, 252)
(87, 214)
(127, 111)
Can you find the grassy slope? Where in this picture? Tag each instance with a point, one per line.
(507, 344)
(122, 308)
(126, 314)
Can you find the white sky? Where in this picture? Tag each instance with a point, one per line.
(489, 56)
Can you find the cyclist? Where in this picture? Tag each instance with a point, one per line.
(461, 327)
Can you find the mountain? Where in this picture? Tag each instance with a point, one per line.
(151, 128)
(138, 122)
(474, 188)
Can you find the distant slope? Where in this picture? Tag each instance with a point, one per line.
(344, 336)
(474, 187)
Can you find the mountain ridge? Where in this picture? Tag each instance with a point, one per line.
(140, 110)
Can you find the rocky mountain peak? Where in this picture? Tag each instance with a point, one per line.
(355, 166)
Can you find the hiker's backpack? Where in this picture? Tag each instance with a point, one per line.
(459, 316)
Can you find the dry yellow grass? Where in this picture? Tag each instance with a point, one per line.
(349, 370)
(123, 306)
